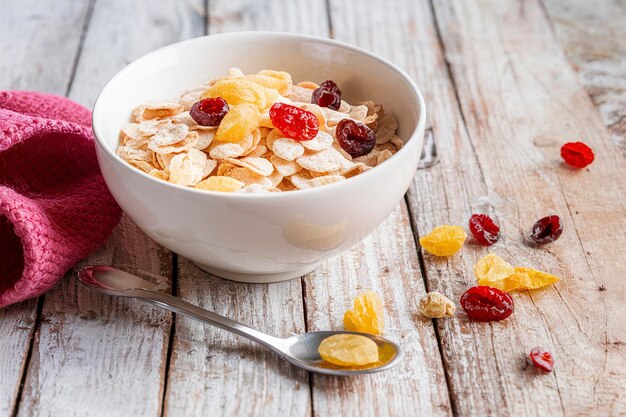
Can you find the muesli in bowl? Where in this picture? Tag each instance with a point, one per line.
(258, 133)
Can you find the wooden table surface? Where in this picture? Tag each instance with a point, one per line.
(506, 82)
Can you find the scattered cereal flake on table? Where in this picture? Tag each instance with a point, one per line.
(444, 240)
(217, 183)
(367, 314)
(348, 350)
(436, 306)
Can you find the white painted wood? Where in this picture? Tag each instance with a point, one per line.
(521, 101)
(593, 36)
(17, 324)
(98, 355)
(39, 43)
(386, 262)
(216, 373)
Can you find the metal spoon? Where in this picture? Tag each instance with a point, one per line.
(300, 350)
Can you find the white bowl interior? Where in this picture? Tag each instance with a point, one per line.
(170, 71)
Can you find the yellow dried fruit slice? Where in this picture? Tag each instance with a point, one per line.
(238, 91)
(444, 240)
(492, 268)
(217, 183)
(367, 315)
(531, 279)
(348, 350)
(276, 80)
(240, 121)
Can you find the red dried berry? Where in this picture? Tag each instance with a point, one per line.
(577, 154)
(484, 230)
(209, 112)
(542, 359)
(327, 95)
(547, 230)
(294, 122)
(355, 138)
(484, 303)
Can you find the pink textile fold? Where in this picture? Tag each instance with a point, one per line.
(54, 205)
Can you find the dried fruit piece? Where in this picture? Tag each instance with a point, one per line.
(294, 122)
(436, 305)
(484, 230)
(238, 123)
(444, 240)
(327, 95)
(547, 230)
(531, 279)
(542, 359)
(491, 268)
(484, 303)
(355, 138)
(577, 154)
(217, 183)
(237, 91)
(367, 314)
(209, 112)
(348, 350)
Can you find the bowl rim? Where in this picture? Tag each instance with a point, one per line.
(421, 123)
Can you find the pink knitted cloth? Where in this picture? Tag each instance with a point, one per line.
(54, 205)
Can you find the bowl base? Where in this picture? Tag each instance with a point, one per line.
(257, 278)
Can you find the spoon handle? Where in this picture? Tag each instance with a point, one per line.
(171, 303)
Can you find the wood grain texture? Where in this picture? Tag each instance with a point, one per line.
(17, 324)
(111, 351)
(212, 372)
(29, 31)
(593, 36)
(216, 373)
(521, 100)
(386, 262)
(97, 355)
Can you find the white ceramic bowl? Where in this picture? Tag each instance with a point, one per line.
(271, 236)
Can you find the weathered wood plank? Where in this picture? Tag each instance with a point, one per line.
(29, 31)
(111, 351)
(216, 373)
(593, 36)
(17, 324)
(212, 372)
(386, 262)
(521, 101)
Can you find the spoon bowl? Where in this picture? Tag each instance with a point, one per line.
(300, 350)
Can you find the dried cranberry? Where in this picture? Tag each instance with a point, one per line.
(355, 138)
(542, 359)
(484, 303)
(547, 230)
(577, 154)
(294, 122)
(327, 95)
(484, 230)
(209, 112)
